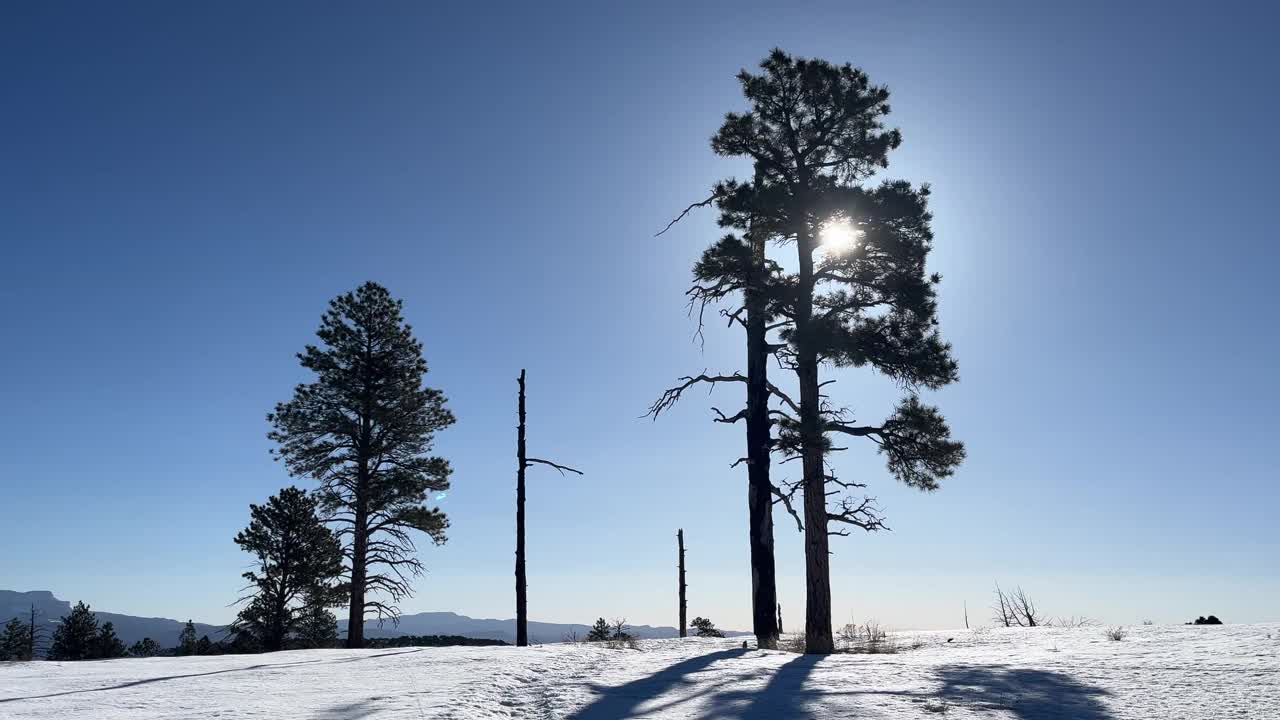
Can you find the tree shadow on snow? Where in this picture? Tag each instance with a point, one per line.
(781, 697)
(622, 701)
(1028, 694)
(250, 668)
(348, 711)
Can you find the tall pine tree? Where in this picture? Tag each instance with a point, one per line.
(364, 430)
(814, 133)
(298, 560)
(739, 265)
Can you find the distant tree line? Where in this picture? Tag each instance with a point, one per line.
(429, 641)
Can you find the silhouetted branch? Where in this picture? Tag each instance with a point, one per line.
(864, 514)
(785, 499)
(722, 418)
(557, 466)
(672, 395)
(688, 210)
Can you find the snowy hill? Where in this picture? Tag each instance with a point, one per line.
(1171, 673)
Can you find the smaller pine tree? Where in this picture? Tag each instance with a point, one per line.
(14, 640)
(600, 632)
(204, 646)
(76, 636)
(316, 627)
(108, 644)
(705, 627)
(187, 639)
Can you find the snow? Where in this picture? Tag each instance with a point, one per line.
(1230, 671)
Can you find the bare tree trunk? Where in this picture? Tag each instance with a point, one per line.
(817, 630)
(764, 591)
(359, 551)
(31, 636)
(522, 600)
(523, 461)
(683, 604)
(779, 618)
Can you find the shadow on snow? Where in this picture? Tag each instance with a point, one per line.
(249, 668)
(1027, 694)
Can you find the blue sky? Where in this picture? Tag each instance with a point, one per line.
(183, 187)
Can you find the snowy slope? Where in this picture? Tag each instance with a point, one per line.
(1230, 671)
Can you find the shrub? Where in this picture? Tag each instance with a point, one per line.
(792, 643)
(1072, 622)
(867, 638)
(614, 635)
(1116, 633)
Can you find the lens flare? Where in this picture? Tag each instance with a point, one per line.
(839, 236)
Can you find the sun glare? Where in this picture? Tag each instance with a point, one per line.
(838, 236)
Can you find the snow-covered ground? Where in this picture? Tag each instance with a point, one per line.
(1230, 671)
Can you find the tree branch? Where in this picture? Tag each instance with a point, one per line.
(562, 468)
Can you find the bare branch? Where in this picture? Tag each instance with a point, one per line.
(688, 210)
(785, 499)
(562, 468)
(722, 418)
(672, 395)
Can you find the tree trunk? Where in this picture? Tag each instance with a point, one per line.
(682, 586)
(764, 591)
(817, 629)
(359, 555)
(522, 607)
(31, 636)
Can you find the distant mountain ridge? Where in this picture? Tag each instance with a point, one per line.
(165, 631)
(129, 628)
(448, 623)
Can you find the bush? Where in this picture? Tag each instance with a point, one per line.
(1211, 620)
(623, 643)
(614, 635)
(1116, 633)
(868, 638)
(792, 643)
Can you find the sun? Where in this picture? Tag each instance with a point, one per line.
(838, 236)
